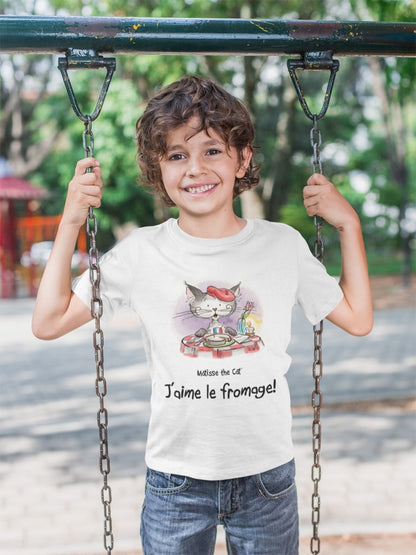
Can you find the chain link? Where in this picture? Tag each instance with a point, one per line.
(98, 342)
(317, 368)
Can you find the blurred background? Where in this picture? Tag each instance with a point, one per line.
(368, 151)
(368, 134)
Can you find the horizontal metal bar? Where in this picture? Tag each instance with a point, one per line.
(204, 36)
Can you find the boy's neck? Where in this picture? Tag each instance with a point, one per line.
(206, 228)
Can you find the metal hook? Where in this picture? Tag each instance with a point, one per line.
(86, 59)
(314, 61)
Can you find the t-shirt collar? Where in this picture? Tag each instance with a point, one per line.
(190, 241)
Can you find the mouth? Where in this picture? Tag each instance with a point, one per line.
(200, 188)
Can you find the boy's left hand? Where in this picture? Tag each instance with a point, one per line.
(354, 313)
(321, 198)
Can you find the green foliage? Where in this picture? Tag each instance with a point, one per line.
(386, 10)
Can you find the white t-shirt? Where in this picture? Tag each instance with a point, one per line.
(216, 321)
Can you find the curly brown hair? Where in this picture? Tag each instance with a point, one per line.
(174, 105)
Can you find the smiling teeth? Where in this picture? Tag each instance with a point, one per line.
(200, 189)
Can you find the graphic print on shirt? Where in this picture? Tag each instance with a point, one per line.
(219, 321)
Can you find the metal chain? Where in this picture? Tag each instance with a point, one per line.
(98, 342)
(315, 61)
(316, 141)
(317, 368)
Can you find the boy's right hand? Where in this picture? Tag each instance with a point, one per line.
(84, 190)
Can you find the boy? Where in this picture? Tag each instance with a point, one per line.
(214, 294)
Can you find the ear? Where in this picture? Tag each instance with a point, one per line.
(236, 289)
(246, 155)
(193, 292)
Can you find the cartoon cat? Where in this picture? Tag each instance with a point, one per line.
(213, 304)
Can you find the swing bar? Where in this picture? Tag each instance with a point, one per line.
(41, 34)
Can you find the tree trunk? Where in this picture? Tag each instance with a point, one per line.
(281, 179)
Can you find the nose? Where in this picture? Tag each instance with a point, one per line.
(195, 167)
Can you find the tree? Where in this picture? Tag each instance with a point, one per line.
(22, 142)
(393, 80)
(28, 130)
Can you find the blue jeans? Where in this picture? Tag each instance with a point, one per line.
(259, 514)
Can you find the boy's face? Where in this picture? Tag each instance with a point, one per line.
(199, 171)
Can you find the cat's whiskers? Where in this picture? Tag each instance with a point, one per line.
(185, 315)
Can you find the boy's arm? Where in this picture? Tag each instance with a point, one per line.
(57, 310)
(355, 312)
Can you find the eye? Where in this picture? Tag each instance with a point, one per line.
(176, 156)
(213, 151)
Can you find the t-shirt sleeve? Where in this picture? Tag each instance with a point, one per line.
(115, 282)
(318, 293)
